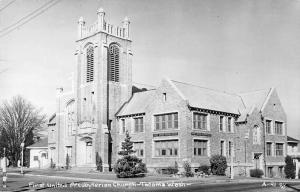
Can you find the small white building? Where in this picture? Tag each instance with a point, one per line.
(39, 154)
(2, 163)
(293, 151)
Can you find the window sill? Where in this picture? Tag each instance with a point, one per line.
(204, 130)
(163, 157)
(164, 130)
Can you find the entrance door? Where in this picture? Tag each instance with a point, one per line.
(43, 162)
(88, 152)
(258, 160)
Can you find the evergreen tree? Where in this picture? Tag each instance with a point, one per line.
(99, 162)
(289, 168)
(129, 165)
(68, 161)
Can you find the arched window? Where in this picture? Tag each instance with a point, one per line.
(70, 118)
(113, 62)
(89, 64)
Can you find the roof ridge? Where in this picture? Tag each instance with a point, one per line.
(219, 91)
(148, 90)
(143, 84)
(265, 89)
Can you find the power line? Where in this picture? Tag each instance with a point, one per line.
(28, 17)
(8, 4)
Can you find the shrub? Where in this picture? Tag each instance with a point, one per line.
(172, 169)
(289, 168)
(204, 169)
(256, 173)
(187, 169)
(218, 164)
(68, 162)
(98, 162)
(52, 164)
(129, 165)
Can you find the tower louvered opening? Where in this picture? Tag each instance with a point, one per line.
(90, 64)
(113, 63)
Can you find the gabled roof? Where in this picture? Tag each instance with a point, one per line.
(291, 139)
(205, 98)
(52, 118)
(43, 143)
(252, 100)
(138, 103)
(255, 98)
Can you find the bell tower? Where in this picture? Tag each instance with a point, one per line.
(103, 84)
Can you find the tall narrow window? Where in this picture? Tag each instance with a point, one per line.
(222, 147)
(256, 135)
(138, 124)
(70, 117)
(278, 128)
(113, 63)
(269, 149)
(123, 125)
(230, 148)
(268, 126)
(229, 128)
(90, 64)
(279, 149)
(221, 123)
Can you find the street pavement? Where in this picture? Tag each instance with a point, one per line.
(68, 181)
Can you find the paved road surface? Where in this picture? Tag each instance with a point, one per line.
(21, 183)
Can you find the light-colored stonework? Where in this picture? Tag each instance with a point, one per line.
(89, 119)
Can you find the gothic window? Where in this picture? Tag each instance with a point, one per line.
(90, 64)
(256, 135)
(70, 118)
(113, 62)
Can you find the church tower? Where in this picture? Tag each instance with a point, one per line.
(103, 83)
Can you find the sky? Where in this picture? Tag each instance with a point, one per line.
(230, 45)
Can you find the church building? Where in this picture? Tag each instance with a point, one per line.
(174, 122)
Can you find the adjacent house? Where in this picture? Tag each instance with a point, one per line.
(39, 154)
(293, 151)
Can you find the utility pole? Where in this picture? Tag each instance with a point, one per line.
(22, 157)
(245, 142)
(231, 161)
(4, 170)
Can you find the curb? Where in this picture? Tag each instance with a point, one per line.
(190, 181)
(71, 178)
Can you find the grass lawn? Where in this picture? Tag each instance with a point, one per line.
(92, 175)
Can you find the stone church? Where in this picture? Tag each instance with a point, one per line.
(174, 122)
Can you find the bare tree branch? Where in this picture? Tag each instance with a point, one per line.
(18, 118)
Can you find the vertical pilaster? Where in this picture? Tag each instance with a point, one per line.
(101, 21)
(126, 23)
(81, 24)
